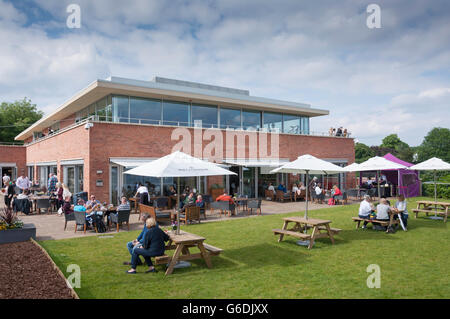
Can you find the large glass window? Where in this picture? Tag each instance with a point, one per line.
(230, 118)
(251, 120)
(153, 184)
(145, 111)
(175, 113)
(305, 125)
(121, 109)
(205, 113)
(101, 110)
(291, 124)
(273, 122)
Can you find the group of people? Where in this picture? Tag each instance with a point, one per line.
(340, 131)
(368, 211)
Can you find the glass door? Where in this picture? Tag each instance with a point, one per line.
(70, 178)
(115, 185)
(248, 181)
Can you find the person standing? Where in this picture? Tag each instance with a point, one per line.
(9, 194)
(51, 184)
(144, 197)
(59, 194)
(6, 180)
(23, 183)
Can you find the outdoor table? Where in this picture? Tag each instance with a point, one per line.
(181, 243)
(34, 198)
(242, 202)
(301, 224)
(426, 206)
(136, 203)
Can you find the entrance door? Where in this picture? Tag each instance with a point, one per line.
(248, 181)
(234, 182)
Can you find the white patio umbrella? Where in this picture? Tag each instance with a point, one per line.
(308, 164)
(352, 167)
(375, 164)
(433, 164)
(179, 164)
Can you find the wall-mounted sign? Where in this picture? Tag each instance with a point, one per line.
(99, 183)
(99, 172)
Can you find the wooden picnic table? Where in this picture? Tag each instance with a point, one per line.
(301, 224)
(430, 207)
(181, 244)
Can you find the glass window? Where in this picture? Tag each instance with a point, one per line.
(175, 113)
(273, 122)
(205, 113)
(305, 125)
(251, 120)
(291, 124)
(153, 183)
(145, 111)
(101, 110)
(91, 110)
(230, 118)
(121, 109)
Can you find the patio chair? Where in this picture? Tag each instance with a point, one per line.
(223, 206)
(268, 194)
(80, 220)
(68, 217)
(254, 204)
(161, 202)
(42, 203)
(122, 216)
(301, 196)
(207, 199)
(352, 193)
(191, 213)
(372, 193)
(281, 196)
(340, 198)
(147, 209)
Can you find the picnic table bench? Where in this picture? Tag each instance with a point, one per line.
(181, 244)
(304, 224)
(425, 206)
(392, 221)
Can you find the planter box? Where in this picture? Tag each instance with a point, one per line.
(216, 192)
(15, 235)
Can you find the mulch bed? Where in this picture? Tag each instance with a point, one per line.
(27, 273)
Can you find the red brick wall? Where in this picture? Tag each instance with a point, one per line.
(14, 154)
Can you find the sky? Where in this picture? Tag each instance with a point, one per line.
(374, 81)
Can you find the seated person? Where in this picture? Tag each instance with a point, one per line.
(67, 206)
(172, 191)
(365, 209)
(81, 207)
(92, 201)
(188, 201)
(281, 187)
(336, 192)
(295, 189)
(24, 194)
(137, 243)
(199, 202)
(383, 211)
(153, 245)
(124, 204)
(400, 208)
(301, 186)
(271, 188)
(225, 197)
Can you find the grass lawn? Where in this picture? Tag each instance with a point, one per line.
(413, 264)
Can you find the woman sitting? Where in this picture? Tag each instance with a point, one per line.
(336, 192)
(400, 208)
(153, 246)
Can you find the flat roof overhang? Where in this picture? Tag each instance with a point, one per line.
(101, 88)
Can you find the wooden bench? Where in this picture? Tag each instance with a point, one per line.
(374, 221)
(333, 230)
(431, 207)
(291, 233)
(165, 259)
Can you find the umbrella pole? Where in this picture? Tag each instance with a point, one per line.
(378, 185)
(307, 184)
(178, 206)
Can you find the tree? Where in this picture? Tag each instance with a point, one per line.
(16, 117)
(363, 152)
(397, 148)
(435, 144)
(392, 141)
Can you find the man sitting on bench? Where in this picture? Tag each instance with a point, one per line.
(365, 209)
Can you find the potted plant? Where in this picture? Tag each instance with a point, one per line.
(216, 191)
(13, 229)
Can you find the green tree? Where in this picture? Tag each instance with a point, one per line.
(435, 144)
(363, 152)
(16, 117)
(397, 148)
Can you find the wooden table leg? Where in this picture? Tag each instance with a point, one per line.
(284, 228)
(313, 236)
(205, 254)
(446, 214)
(330, 234)
(174, 260)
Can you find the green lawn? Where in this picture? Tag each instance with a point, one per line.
(414, 264)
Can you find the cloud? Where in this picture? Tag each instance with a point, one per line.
(373, 81)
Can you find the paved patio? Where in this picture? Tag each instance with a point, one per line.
(51, 226)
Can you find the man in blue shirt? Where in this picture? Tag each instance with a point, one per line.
(281, 187)
(137, 243)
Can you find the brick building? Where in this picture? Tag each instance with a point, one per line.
(116, 124)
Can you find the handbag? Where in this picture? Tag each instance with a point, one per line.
(331, 201)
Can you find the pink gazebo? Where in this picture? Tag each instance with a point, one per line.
(407, 182)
